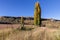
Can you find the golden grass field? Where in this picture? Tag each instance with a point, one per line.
(51, 31)
(38, 33)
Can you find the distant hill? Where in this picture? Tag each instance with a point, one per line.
(16, 20)
(12, 20)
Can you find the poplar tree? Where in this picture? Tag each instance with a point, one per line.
(37, 14)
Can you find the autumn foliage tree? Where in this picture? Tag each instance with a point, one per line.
(37, 14)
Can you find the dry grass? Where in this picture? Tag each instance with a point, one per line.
(53, 34)
(38, 33)
(51, 24)
(4, 33)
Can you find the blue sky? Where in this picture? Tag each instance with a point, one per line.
(49, 8)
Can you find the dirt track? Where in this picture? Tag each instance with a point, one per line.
(8, 25)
